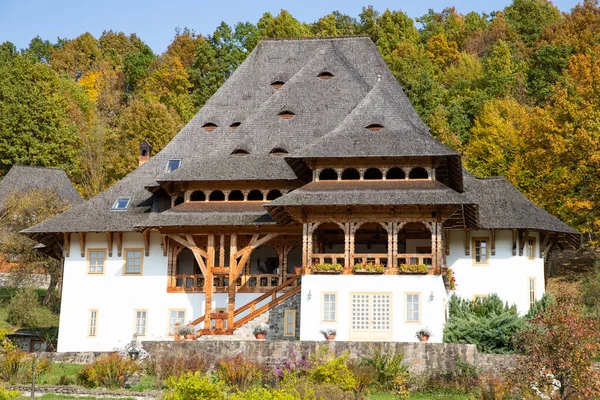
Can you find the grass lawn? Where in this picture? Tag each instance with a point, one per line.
(59, 369)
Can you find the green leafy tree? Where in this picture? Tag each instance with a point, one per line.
(545, 69)
(283, 25)
(530, 18)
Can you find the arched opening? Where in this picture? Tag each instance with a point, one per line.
(273, 194)
(278, 151)
(236, 195)
(255, 195)
(178, 200)
(371, 244)
(286, 114)
(216, 195)
(328, 174)
(209, 126)
(418, 173)
(264, 260)
(325, 75)
(350, 174)
(374, 127)
(328, 244)
(373, 174)
(198, 195)
(240, 152)
(187, 265)
(414, 244)
(294, 259)
(395, 174)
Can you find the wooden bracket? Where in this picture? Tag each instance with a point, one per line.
(467, 243)
(109, 240)
(82, 243)
(67, 244)
(544, 238)
(522, 239)
(514, 242)
(146, 243)
(119, 237)
(549, 246)
(165, 245)
(493, 242)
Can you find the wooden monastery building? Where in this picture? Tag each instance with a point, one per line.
(306, 194)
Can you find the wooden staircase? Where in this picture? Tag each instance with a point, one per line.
(288, 289)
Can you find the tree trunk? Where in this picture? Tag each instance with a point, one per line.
(51, 288)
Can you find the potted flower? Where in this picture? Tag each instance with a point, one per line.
(187, 331)
(260, 331)
(416, 269)
(329, 333)
(449, 279)
(327, 268)
(368, 268)
(423, 334)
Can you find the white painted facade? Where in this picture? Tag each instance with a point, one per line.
(116, 296)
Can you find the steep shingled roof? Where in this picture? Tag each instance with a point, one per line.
(21, 178)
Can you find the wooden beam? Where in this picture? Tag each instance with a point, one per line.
(208, 279)
(109, 241)
(82, 243)
(147, 242)
(165, 245)
(190, 243)
(549, 244)
(67, 244)
(522, 240)
(467, 242)
(119, 237)
(544, 238)
(493, 242)
(447, 242)
(514, 242)
(222, 250)
(232, 281)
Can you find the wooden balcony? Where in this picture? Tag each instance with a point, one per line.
(254, 283)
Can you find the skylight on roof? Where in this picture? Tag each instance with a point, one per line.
(121, 203)
(173, 164)
(375, 127)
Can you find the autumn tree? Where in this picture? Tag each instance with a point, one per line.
(560, 344)
(22, 210)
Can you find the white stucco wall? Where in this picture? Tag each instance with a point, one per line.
(432, 311)
(116, 297)
(505, 274)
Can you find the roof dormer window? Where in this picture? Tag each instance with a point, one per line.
(173, 164)
(325, 75)
(235, 125)
(122, 203)
(209, 126)
(277, 84)
(278, 151)
(374, 127)
(240, 152)
(286, 114)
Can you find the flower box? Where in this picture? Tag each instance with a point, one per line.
(326, 272)
(327, 268)
(368, 268)
(413, 269)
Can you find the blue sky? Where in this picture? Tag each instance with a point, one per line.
(155, 20)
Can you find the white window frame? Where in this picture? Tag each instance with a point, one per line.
(169, 169)
(116, 207)
(125, 251)
(93, 323)
(89, 262)
(408, 312)
(143, 316)
(171, 327)
(532, 290)
(291, 332)
(335, 308)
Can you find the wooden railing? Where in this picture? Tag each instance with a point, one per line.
(328, 258)
(377, 258)
(414, 259)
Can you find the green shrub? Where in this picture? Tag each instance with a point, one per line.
(263, 394)
(238, 372)
(490, 324)
(25, 310)
(301, 387)
(6, 394)
(65, 380)
(110, 371)
(334, 371)
(172, 365)
(14, 364)
(194, 386)
(388, 367)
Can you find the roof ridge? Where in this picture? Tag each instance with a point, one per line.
(38, 167)
(315, 38)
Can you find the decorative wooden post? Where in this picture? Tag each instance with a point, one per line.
(232, 278)
(208, 280)
(437, 227)
(352, 229)
(304, 244)
(390, 235)
(347, 228)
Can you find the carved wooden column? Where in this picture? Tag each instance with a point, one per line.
(347, 228)
(304, 244)
(437, 228)
(352, 226)
(390, 236)
(232, 278)
(309, 243)
(395, 229)
(222, 251)
(208, 279)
